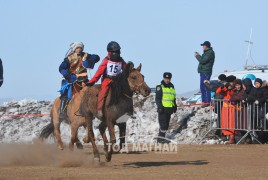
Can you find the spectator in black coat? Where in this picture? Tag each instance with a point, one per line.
(248, 87)
(256, 99)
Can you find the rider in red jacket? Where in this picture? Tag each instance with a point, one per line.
(111, 67)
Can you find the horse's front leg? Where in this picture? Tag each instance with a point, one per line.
(56, 123)
(102, 128)
(122, 134)
(74, 128)
(112, 141)
(78, 143)
(86, 139)
(92, 138)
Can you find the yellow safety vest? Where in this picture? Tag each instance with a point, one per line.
(168, 97)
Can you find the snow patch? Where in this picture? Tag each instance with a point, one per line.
(187, 125)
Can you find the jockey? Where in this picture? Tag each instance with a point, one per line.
(111, 67)
(74, 70)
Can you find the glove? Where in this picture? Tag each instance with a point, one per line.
(95, 58)
(160, 110)
(90, 84)
(243, 101)
(256, 102)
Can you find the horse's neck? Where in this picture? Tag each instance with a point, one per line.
(123, 96)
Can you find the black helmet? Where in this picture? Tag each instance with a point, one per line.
(113, 46)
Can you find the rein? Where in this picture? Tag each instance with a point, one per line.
(130, 97)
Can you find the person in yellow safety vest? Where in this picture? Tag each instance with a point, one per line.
(165, 99)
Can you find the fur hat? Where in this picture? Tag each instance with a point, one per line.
(231, 78)
(222, 77)
(258, 80)
(247, 82)
(238, 81)
(77, 44)
(167, 75)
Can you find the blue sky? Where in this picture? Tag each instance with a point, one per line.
(162, 35)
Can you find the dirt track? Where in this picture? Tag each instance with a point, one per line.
(190, 162)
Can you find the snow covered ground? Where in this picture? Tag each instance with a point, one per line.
(188, 125)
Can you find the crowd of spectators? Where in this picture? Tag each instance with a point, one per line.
(240, 105)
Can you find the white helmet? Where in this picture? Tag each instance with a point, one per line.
(77, 45)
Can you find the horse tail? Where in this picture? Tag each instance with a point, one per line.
(48, 129)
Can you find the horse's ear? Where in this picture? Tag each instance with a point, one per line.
(139, 68)
(131, 67)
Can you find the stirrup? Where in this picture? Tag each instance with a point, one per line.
(62, 115)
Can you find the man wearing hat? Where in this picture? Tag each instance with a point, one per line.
(205, 66)
(74, 71)
(165, 99)
(258, 96)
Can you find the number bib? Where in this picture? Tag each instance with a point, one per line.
(113, 68)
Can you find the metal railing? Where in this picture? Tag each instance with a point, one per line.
(238, 116)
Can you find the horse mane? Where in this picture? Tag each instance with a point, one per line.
(120, 85)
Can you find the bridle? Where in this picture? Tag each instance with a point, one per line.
(137, 87)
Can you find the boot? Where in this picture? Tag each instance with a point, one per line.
(160, 138)
(100, 107)
(231, 139)
(63, 107)
(100, 114)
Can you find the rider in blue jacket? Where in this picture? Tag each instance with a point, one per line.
(74, 71)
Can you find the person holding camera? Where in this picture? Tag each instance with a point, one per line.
(228, 110)
(165, 99)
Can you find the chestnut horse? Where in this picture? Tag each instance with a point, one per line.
(118, 102)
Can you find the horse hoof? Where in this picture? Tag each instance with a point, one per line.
(108, 158)
(71, 147)
(97, 159)
(86, 139)
(79, 146)
(60, 147)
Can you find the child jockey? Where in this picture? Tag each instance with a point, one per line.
(74, 70)
(111, 67)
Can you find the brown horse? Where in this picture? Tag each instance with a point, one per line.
(118, 102)
(53, 128)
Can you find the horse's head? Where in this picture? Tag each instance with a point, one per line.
(136, 81)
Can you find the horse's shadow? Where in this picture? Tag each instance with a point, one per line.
(132, 152)
(165, 163)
